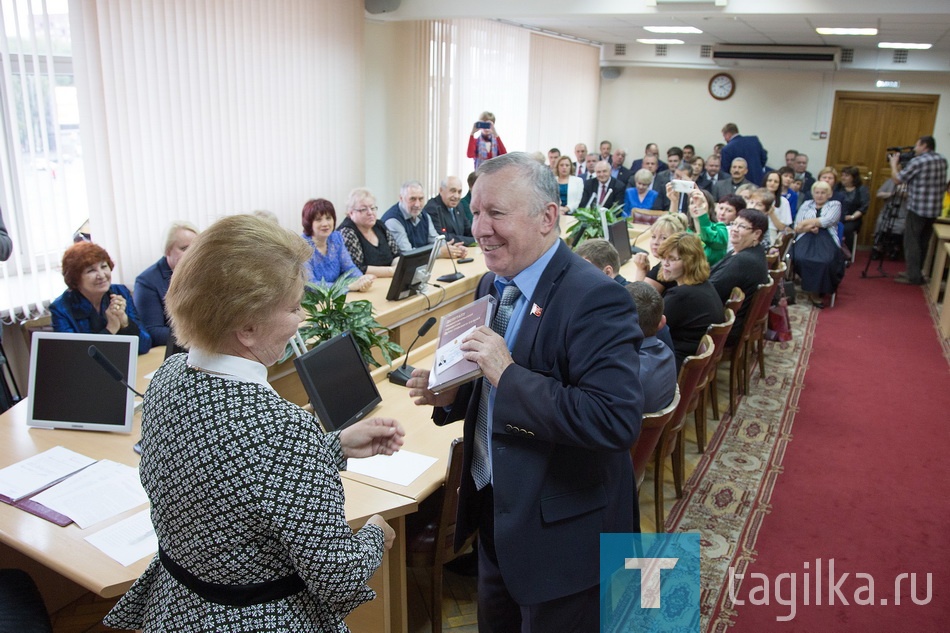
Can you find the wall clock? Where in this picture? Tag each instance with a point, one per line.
(722, 86)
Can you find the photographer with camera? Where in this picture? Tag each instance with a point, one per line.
(925, 176)
(484, 142)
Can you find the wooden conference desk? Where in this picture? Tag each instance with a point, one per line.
(25, 538)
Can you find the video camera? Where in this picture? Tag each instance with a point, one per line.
(905, 154)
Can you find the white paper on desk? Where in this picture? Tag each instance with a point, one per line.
(401, 468)
(128, 540)
(99, 492)
(35, 473)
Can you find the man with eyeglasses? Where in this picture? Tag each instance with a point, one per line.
(446, 213)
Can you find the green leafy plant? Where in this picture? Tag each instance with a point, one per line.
(329, 314)
(588, 224)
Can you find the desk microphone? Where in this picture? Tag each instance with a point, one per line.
(401, 375)
(451, 276)
(113, 371)
(110, 369)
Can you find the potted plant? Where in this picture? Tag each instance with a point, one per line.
(329, 314)
(589, 225)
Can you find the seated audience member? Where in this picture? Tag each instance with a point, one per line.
(606, 149)
(657, 362)
(726, 186)
(92, 304)
(602, 254)
(371, 246)
(671, 199)
(590, 165)
(330, 259)
(713, 175)
(412, 228)
(804, 178)
(689, 153)
(447, 218)
(244, 486)
(714, 234)
(580, 152)
(744, 267)
(651, 149)
(602, 191)
(817, 255)
(780, 218)
(787, 175)
(783, 208)
(264, 214)
(484, 142)
(466, 201)
(152, 284)
(617, 170)
(665, 226)
(790, 158)
(570, 188)
(717, 148)
(855, 200)
(674, 156)
(641, 196)
(553, 154)
(693, 304)
(698, 174)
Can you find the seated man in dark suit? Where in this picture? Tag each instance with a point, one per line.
(725, 187)
(651, 149)
(657, 362)
(674, 156)
(617, 170)
(410, 226)
(447, 215)
(603, 190)
(152, 285)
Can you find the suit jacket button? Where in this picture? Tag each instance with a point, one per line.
(509, 428)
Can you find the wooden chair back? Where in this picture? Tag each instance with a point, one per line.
(651, 429)
(734, 302)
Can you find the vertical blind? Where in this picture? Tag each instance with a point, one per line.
(196, 110)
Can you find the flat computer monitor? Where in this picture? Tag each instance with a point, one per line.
(336, 379)
(412, 271)
(70, 390)
(620, 238)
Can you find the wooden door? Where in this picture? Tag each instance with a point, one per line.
(864, 125)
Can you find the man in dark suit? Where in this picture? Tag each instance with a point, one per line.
(602, 190)
(447, 215)
(548, 429)
(713, 174)
(804, 177)
(747, 147)
(617, 170)
(738, 172)
(651, 149)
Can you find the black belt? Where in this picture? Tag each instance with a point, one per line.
(233, 595)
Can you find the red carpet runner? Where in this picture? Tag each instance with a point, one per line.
(864, 487)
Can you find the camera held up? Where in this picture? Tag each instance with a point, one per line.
(906, 153)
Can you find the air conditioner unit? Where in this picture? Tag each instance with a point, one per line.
(794, 57)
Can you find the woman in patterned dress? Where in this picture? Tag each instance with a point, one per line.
(246, 496)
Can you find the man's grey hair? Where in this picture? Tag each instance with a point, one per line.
(539, 178)
(404, 189)
(739, 159)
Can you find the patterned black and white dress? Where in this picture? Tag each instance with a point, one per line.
(245, 488)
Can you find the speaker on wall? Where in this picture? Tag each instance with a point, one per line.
(381, 6)
(610, 72)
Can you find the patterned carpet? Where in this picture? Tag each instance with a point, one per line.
(728, 494)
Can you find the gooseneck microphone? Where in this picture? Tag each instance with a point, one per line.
(447, 279)
(110, 369)
(401, 375)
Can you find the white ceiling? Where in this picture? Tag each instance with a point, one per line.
(785, 22)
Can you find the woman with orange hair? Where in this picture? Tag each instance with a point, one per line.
(92, 304)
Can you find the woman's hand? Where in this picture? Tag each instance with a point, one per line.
(116, 318)
(389, 535)
(372, 436)
(362, 284)
(698, 205)
(642, 265)
(419, 390)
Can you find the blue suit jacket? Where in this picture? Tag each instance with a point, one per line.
(72, 312)
(565, 416)
(657, 374)
(749, 148)
(150, 289)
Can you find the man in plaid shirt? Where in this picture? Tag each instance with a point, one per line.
(926, 178)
